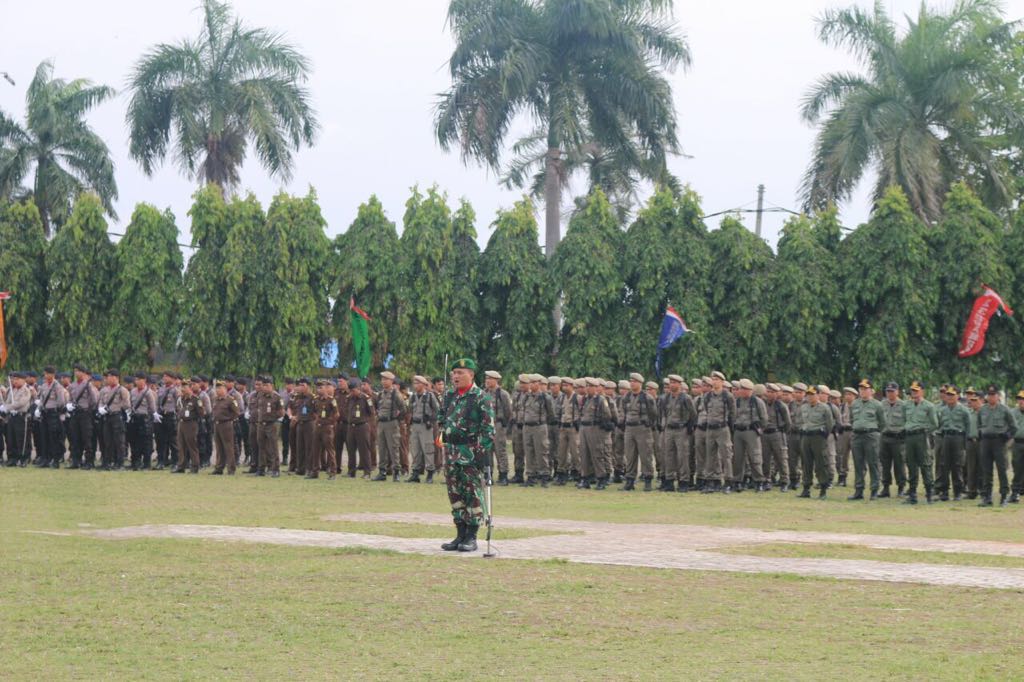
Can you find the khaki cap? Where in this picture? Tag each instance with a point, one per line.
(569, 380)
(491, 374)
(676, 377)
(822, 388)
(556, 380)
(849, 389)
(786, 389)
(622, 384)
(833, 393)
(523, 378)
(420, 380)
(651, 384)
(746, 383)
(591, 381)
(760, 389)
(697, 381)
(734, 383)
(799, 386)
(636, 377)
(579, 383)
(610, 384)
(717, 375)
(774, 388)
(387, 375)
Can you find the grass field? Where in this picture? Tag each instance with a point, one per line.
(75, 607)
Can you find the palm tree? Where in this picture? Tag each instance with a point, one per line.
(233, 86)
(928, 112)
(588, 73)
(67, 156)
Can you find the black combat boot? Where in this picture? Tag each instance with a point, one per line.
(874, 494)
(518, 478)
(1015, 497)
(397, 476)
(561, 479)
(911, 497)
(683, 487)
(430, 477)
(986, 500)
(618, 477)
(858, 494)
(842, 480)
(823, 491)
(929, 496)
(885, 492)
(543, 484)
(468, 543)
(459, 537)
(784, 488)
(806, 492)
(900, 490)
(629, 485)
(602, 483)
(414, 477)
(502, 478)
(670, 486)
(253, 470)
(944, 496)
(958, 495)
(381, 476)
(648, 487)
(1003, 499)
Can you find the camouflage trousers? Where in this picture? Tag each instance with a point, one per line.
(465, 492)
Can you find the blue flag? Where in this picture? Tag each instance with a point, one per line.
(672, 329)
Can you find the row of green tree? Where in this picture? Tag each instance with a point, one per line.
(264, 290)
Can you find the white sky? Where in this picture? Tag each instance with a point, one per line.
(378, 66)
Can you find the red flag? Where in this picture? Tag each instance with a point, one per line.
(985, 306)
(356, 309)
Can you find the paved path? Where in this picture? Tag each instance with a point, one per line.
(647, 545)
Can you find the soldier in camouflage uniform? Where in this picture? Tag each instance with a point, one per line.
(466, 421)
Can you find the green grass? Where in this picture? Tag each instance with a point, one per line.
(800, 550)
(75, 607)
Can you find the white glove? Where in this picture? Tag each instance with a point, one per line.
(102, 411)
(3, 408)
(247, 414)
(37, 414)
(70, 407)
(128, 414)
(39, 401)
(281, 420)
(157, 419)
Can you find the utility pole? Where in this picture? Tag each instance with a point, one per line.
(760, 209)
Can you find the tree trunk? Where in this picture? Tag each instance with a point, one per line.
(552, 221)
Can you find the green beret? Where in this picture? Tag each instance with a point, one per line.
(465, 363)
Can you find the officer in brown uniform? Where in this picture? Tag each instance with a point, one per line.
(225, 413)
(595, 424)
(267, 412)
(678, 412)
(503, 420)
(190, 411)
(567, 443)
(640, 411)
(359, 412)
(518, 409)
(719, 406)
(341, 397)
(300, 409)
(325, 411)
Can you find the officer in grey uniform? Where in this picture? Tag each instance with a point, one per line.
(518, 446)
(503, 419)
(774, 437)
(423, 406)
(751, 416)
(595, 424)
(142, 402)
(390, 409)
(678, 412)
(568, 432)
(538, 412)
(719, 406)
(639, 411)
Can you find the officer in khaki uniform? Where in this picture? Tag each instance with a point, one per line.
(996, 425)
(518, 447)
(190, 411)
(226, 410)
(700, 427)
(797, 401)
(844, 434)
(972, 456)
(390, 409)
(678, 412)
(568, 432)
(818, 423)
(267, 412)
(639, 411)
(423, 413)
(554, 387)
(538, 412)
(719, 407)
(595, 425)
(503, 422)
(751, 416)
(776, 431)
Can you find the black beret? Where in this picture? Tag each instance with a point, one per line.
(353, 383)
(49, 369)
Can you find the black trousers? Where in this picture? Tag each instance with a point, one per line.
(285, 427)
(51, 445)
(113, 440)
(80, 433)
(17, 438)
(140, 439)
(167, 439)
(993, 451)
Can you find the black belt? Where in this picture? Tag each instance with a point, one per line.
(744, 428)
(917, 432)
(533, 424)
(819, 432)
(770, 430)
(702, 427)
(385, 421)
(49, 410)
(224, 421)
(553, 424)
(675, 427)
(844, 429)
(715, 425)
(588, 423)
(860, 432)
(567, 426)
(952, 433)
(896, 436)
(356, 423)
(993, 436)
(635, 424)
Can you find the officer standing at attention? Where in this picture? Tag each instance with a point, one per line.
(390, 409)
(423, 407)
(113, 401)
(776, 430)
(190, 411)
(954, 424)
(300, 409)
(751, 417)
(359, 413)
(225, 413)
(996, 426)
(538, 412)
(267, 410)
(922, 421)
(140, 423)
(165, 422)
(679, 412)
(325, 410)
(49, 406)
(720, 408)
(503, 420)
(867, 417)
(16, 405)
(83, 399)
(893, 437)
(817, 425)
(466, 421)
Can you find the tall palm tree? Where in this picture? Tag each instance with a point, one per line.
(55, 142)
(232, 86)
(589, 73)
(928, 112)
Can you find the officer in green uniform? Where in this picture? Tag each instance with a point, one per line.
(922, 421)
(818, 422)
(466, 423)
(868, 420)
(996, 426)
(1018, 450)
(893, 436)
(972, 466)
(954, 425)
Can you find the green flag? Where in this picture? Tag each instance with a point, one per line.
(360, 338)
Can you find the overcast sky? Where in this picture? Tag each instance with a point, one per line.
(377, 67)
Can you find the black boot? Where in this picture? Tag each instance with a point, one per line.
(543, 484)
(986, 501)
(459, 537)
(858, 494)
(670, 486)
(647, 484)
(397, 477)
(911, 497)
(618, 477)
(629, 485)
(430, 477)
(602, 483)
(823, 491)
(561, 479)
(1015, 498)
(381, 476)
(784, 488)
(885, 492)
(806, 492)
(1003, 499)
(468, 543)
(943, 496)
(842, 480)
(874, 494)
(502, 478)
(414, 477)
(683, 487)
(518, 478)
(929, 497)
(900, 492)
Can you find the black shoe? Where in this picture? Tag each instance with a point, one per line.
(55, 464)
(617, 478)
(885, 492)
(263, 473)
(413, 478)
(858, 494)
(176, 470)
(682, 487)
(929, 496)
(737, 486)
(397, 477)
(784, 488)
(842, 480)
(629, 485)
(352, 474)
(958, 497)
(430, 477)
(216, 472)
(518, 478)
(602, 483)
(1015, 498)
(1003, 499)
(874, 495)
(986, 501)
(944, 496)
(380, 477)
(806, 493)
(823, 493)
(561, 479)
(648, 487)
(910, 499)
(972, 496)
(459, 536)
(543, 484)
(468, 543)
(502, 478)
(275, 474)
(252, 471)
(310, 476)
(900, 491)
(74, 465)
